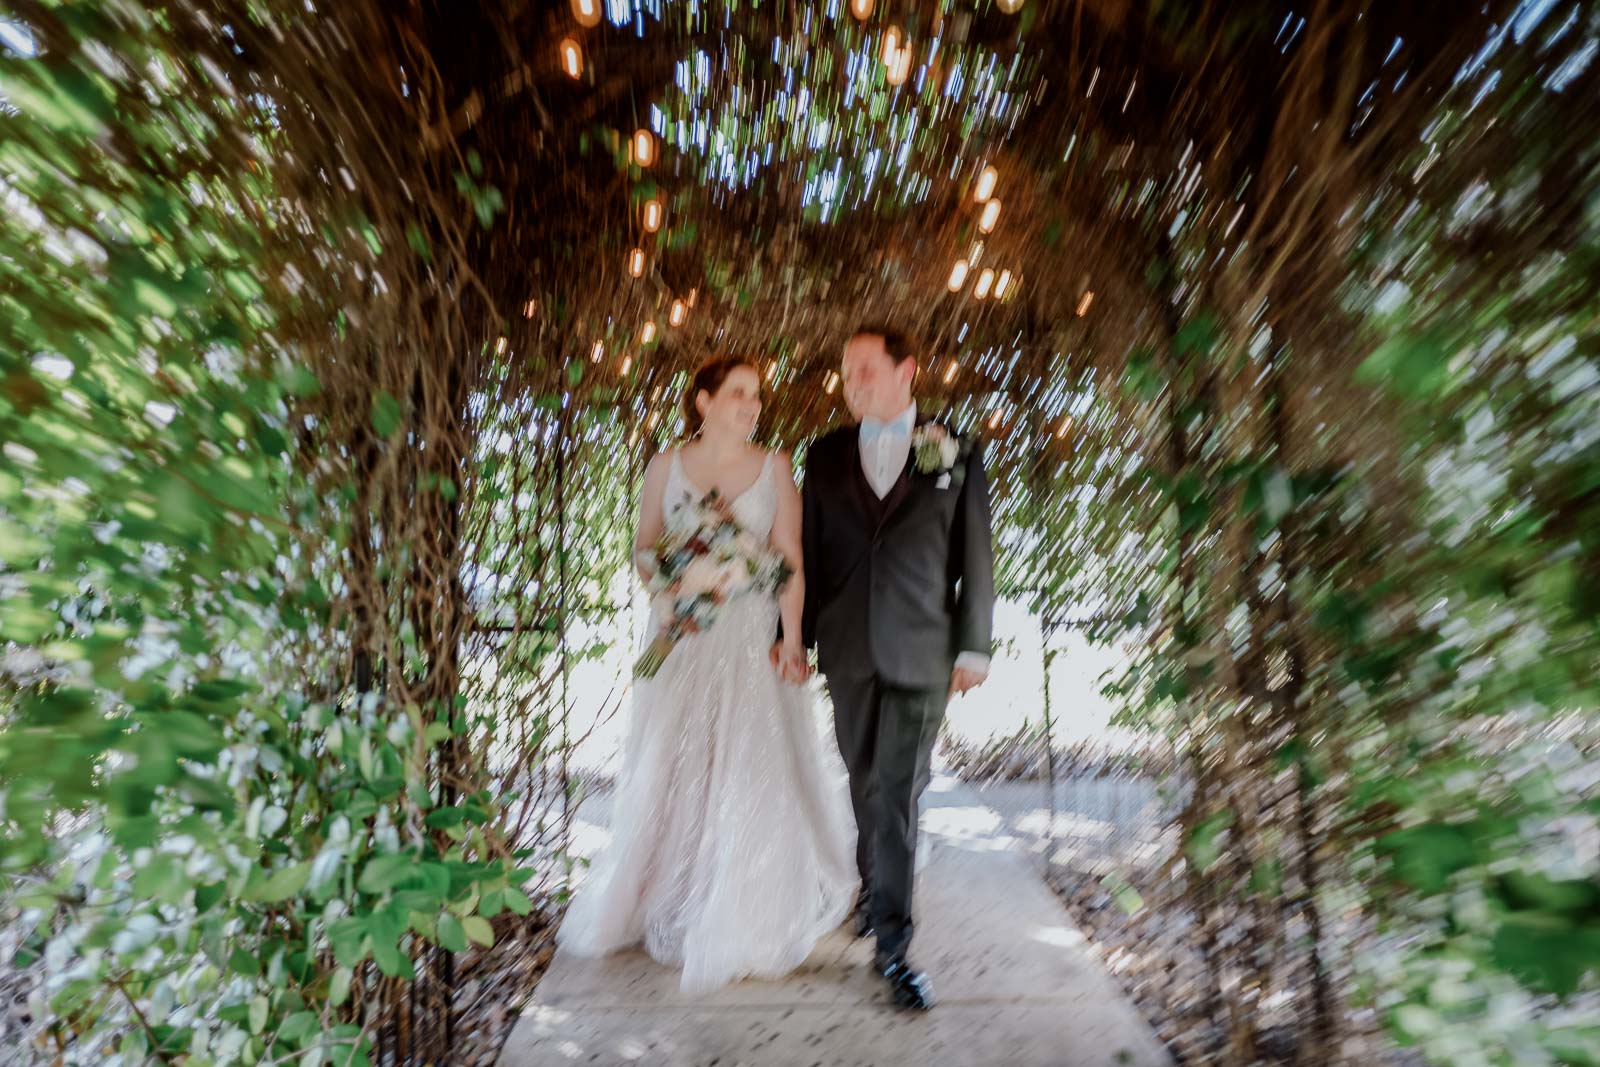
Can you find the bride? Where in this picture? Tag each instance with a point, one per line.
(732, 840)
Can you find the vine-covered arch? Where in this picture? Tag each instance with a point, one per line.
(335, 336)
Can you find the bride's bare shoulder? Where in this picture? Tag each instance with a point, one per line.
(656, 469)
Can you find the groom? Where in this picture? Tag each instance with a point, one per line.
(899, 604)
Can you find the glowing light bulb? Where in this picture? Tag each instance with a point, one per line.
(861, 9)
(1066, 424)
(950, 372)
(644, 148)
(679, 313)
(694, 294)
(529, 308)
(652, 215)
(500, 347)
(994, 420)
(571, 58)
(986, 183)
(627, 364)
(1001, 284)
(990, 216)
(587, 12)
(833, 382)
(647, 334)
(891, 45)
(636, 263)
(900, 69)
(1010, 7)
(599, 352)
(1083, 305)
(985, 280)
(772, 368)
(958, 276)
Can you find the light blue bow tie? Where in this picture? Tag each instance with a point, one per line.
(872, 429)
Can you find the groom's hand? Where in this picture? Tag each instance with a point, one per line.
(963, 679)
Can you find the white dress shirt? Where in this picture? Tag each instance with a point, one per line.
(885, 449)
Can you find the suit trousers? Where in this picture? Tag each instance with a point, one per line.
(886, 735)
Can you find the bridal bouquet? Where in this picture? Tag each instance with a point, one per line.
(703, 560)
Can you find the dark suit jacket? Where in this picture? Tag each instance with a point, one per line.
(896, 587)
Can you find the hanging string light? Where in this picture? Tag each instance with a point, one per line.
(985, 281)
(679, 313)
(1066, 424)
(772, 367)
(627, 364)
(1083, 305)
(861, 9)
(587, 12)
(599, 351)
(950, 372)
(648, 334)
(891, 45)
(1010, 7)
(571, 58)
(900, 69)
(529, 308)
(986, 184)
(994, 420)
(832, 383)
(644, 148)
(636, 263)
(958, 276)
(652, 215)
(990, 216)
(1001, 284)
(694, 294)
(500, 346)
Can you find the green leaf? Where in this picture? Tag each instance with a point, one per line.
(1204, 846)
(517, 901)
(479, 930)
(258, 1014)
(1426, 857)
(451, 934)
(1413, 366)
(384, 872)
(444, 818)
(279, 884)
(297, 1027)
(339, 986)
(385, 414)
(1547, 953)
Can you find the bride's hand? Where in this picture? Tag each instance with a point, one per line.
(792, 666)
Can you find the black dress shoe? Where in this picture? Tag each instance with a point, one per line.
(863, 915)
(911, 989)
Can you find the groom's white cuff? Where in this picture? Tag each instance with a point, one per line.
(973, 661)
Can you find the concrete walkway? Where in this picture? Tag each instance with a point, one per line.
(1015, 986)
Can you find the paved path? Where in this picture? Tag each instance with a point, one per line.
(1015, 987)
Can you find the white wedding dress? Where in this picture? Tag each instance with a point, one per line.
(732, 840)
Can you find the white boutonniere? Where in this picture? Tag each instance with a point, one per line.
(934, 449)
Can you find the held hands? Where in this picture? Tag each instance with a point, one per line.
(789, 659)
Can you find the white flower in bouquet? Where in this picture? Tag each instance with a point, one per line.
(701, 576)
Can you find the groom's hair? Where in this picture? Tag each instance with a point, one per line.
(900, 346)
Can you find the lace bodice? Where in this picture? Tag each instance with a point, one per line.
(755, 508)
